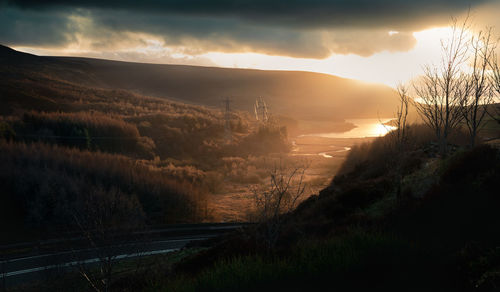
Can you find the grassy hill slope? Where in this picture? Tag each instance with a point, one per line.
(303, 95)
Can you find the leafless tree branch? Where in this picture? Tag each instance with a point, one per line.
(478, 90)
(285, 189)
(442, 89)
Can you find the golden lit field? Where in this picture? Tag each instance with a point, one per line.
(322, 157)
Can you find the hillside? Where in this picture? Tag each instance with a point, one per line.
(303, 95)
(161, 158)
(430, 224)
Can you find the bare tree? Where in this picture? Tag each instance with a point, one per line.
(285, 188)
(104, 218)
(442, 88)
(494, 109)
(479, 88)
(401, 121)
(399, 136)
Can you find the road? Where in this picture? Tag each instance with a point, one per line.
(19, 270)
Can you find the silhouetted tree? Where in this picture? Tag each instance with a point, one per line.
(479, 88)
(401, 121)
(285, 188)
(494, 110)
(399, 137)
(443, 87)
(104, 219)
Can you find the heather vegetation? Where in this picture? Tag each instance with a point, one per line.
(44, 186)
(84, 130)
(66, 147)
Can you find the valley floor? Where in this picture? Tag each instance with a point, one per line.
(323, 157)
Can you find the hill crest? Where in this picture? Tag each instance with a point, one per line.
(299, 94)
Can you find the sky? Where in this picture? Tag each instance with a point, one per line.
(386, 41)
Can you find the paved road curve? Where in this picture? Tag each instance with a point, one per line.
(24, 269)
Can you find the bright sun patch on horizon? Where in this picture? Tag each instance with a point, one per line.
(363, 128)
(388, 68)
(382, 130)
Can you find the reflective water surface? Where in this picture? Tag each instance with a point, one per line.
(364, 128)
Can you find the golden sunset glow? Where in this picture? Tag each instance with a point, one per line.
(362, 128)
(385, 67)
(381, 130)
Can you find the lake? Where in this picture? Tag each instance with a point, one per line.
(364, 128)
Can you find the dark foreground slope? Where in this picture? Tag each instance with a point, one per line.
(304, 95)
(439, 233)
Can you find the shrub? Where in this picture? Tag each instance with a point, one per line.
(84, 130)
(44, 183)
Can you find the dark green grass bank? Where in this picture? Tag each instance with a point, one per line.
(355, 262)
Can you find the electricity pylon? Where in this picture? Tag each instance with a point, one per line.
(260, 109)
(227, 121)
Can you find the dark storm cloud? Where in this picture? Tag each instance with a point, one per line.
(218, 34)
(304, 13)
(103, 29)
(33, 28)
(312, 29)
